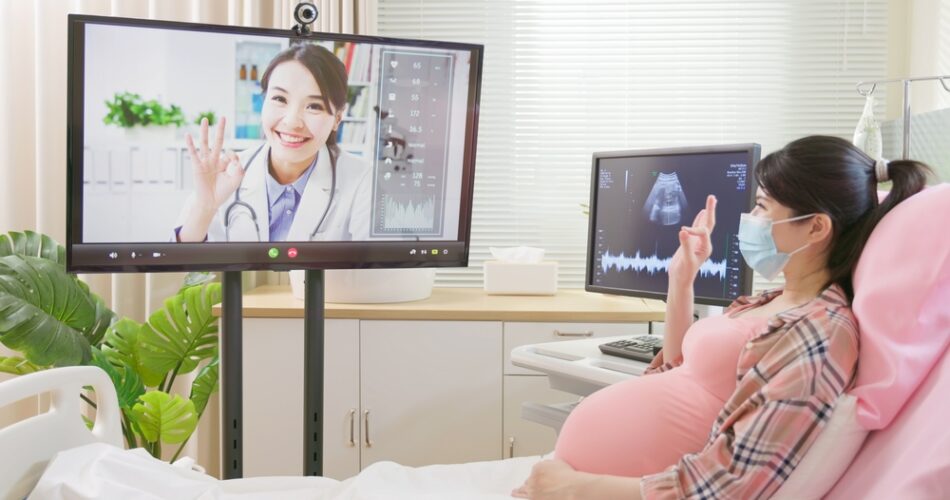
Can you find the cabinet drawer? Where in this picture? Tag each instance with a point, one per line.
(519, 334)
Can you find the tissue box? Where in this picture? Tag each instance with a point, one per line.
(513, 278)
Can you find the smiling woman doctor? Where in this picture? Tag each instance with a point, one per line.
(296, 186)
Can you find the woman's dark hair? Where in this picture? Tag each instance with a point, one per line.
(327, 69)
(829, 175)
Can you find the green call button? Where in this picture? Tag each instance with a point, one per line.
(273, 253)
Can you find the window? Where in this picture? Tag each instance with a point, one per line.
(563, 79)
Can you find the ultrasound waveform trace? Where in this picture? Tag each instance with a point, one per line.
(666, 202)
(654, 264)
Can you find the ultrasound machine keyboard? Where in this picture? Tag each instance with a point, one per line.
(640, 348)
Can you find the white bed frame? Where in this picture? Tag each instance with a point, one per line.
(27, 446)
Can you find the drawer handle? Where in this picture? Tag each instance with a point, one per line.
(352, 427)
(511, 447)
(588, 333)
(369, 443)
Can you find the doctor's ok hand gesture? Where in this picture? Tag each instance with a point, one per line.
(217, 176)
(695, 245)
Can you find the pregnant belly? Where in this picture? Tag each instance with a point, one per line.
(639, 426)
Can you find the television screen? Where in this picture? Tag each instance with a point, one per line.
(200, 147)
(639, 201)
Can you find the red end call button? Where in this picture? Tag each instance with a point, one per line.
(292, 253)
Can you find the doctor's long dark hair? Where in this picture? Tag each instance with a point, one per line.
(327, 69)
(829, 175)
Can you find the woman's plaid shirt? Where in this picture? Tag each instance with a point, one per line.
(789, 379)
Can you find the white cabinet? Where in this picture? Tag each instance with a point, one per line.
(414, 392)
(273, 396)
(430, 391)
(416, 383)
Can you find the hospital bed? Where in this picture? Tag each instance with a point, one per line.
(902, 302)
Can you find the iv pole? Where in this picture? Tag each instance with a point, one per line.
(905, 113)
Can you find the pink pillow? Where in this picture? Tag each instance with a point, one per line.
(904, 330)
(910, 459)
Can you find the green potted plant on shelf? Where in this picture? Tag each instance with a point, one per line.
(210, 115)
(51, 318)
(143, 120)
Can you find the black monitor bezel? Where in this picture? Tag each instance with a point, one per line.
(753, 152)
(346, 257)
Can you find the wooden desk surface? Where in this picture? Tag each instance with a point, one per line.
(466, 304)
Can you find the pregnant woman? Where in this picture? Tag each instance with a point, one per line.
(733, 403)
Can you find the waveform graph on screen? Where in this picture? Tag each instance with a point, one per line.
(653, 264)
(406, 215)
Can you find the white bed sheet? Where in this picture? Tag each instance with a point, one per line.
(101, 471)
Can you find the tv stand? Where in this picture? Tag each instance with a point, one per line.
(231, 345)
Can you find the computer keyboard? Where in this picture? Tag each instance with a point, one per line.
(640, 348)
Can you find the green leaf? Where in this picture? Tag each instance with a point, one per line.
(29, 243)
(197, 279)
(44, 312)
(89, 423)
(128, 385)
(32, 244)
(19, 366)
(205, 384)
(127, 110)
(170, 419)
(120, 346)
(183, 333)
(104, 318)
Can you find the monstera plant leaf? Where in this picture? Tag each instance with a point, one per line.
(183, 333)
(32, 244)
(128, 385)
(44, 313)
(17, 366)
(121, 347)
(197, 278)
(205, 384)
(170, 419)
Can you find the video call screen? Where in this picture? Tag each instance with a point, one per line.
(641, 201)
(194, 144)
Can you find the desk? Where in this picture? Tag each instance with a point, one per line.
(432, 377)
(466, 304)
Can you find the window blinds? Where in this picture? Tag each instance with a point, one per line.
(563, 79)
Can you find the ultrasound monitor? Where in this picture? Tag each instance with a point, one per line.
(640, 199)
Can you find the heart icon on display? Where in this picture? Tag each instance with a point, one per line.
(394, 64)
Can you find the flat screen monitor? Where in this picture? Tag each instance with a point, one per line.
(336, 151)
(640, 199)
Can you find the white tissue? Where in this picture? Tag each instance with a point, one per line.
(523, 255)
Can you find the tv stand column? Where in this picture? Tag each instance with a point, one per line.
(231, 339)
(313, 373)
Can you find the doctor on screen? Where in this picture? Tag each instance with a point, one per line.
(298, 185)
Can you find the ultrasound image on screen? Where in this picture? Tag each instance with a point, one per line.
(641, 203)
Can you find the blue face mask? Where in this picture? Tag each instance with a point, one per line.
(758, 247)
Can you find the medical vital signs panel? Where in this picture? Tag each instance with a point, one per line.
(415, 100)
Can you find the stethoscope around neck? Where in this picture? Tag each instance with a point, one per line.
(233, 211)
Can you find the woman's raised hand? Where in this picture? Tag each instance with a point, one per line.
(695, 244)
(217, 174)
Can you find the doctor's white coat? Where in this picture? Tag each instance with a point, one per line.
(348, 218)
